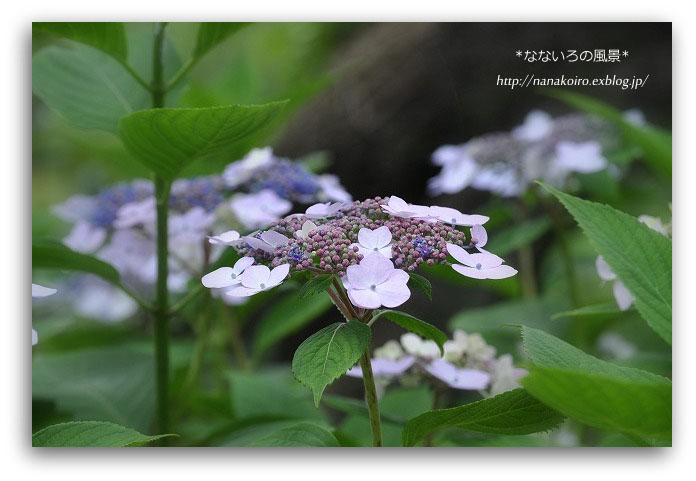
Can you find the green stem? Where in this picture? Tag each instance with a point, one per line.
(437, 397)
(529, 284)
(181, 73)
(161, 310)
(371, 398)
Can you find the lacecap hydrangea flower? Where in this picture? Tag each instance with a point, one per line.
(118, 224)
(543, 147)
(372, 246)
(469, 363)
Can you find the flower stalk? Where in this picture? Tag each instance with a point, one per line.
(161, 311)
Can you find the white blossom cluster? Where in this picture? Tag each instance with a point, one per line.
(469, 363)
(541, 148)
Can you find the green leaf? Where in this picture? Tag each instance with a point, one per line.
(109, 37)
(416, 326)
(329, 353)
(640, 256)
(108, 383)
(167, 140)
(85, 86)
(512, 412)
(271, 392)
(421, 283)
(90, 434)
(46, 254)
(597, 392)
(303, 435)
(517, 236)
(286, 317)
(655, 143)
(212, 33)
(604, 310)
(315, 285)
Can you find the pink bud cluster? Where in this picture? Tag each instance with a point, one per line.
(328, 247)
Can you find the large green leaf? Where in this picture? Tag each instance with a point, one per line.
(640, 256)
(416, 326)
(87, 87)
(303, 435)
(655, 143)
(512, 412)
(285, 317)
(271, 392)
(112, 384)
(597, 392)
(329, 353)
(90, 434)
(167, 140)
(109, 37)
(46, 254)
(212, 33)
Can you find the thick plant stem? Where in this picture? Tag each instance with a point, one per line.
(161, 312)
(371, 398)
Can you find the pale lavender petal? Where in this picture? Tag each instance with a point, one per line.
(394, 291)
(41, 291)
(355, 275)
(603, 269)
(376, 268)
(242, 264)
(278, 274)
(386, 251)
(623, 296)
(226, 238)
(365, 298)
(222, 277)
(470, 271)
(34, 337)
(368, 238)
(485, 259)
(479, 236)
(256, 276)
(275, 239)
(241, 291)
(383, 236)
(459, 253)
(259, 244)
(456, 377)
(85, 238)
(500, 272)
(537, 125)
(389, 368)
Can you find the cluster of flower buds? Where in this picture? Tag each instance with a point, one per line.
(544, 148)
(371, 245)
(469, 363)
(118, 224)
